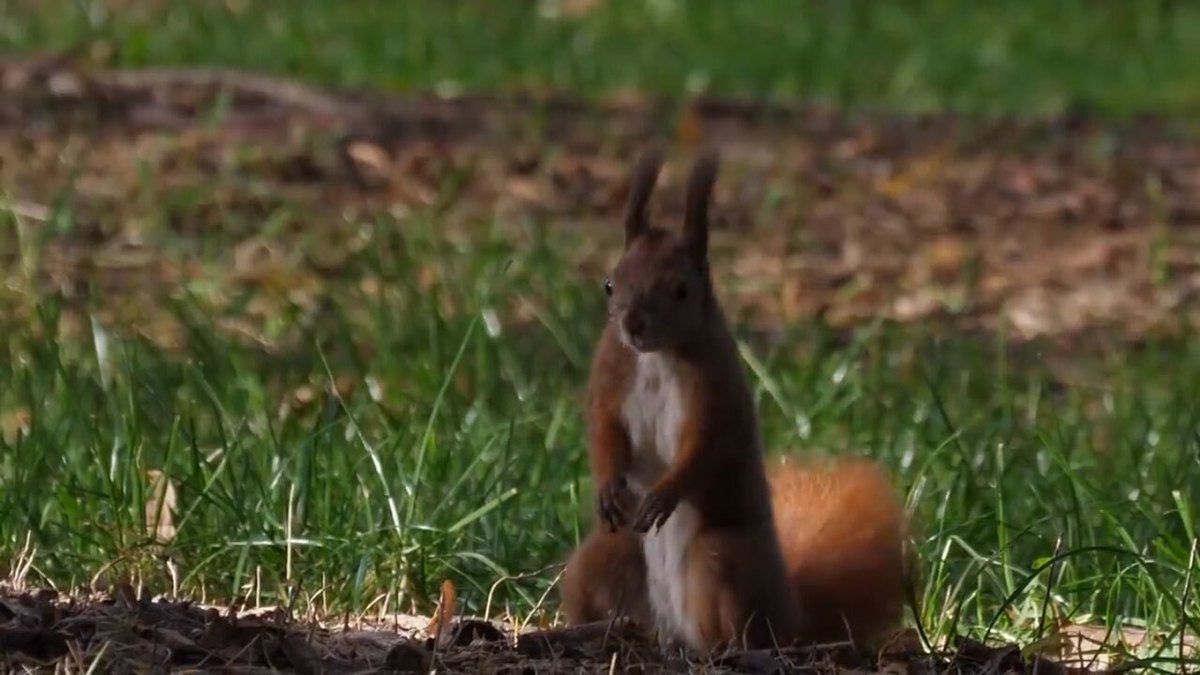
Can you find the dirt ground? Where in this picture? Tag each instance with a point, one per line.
(125, 632)
(1050, 229)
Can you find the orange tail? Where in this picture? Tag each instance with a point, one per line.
(843, 532)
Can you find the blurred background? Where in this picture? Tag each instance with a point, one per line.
(298, 297)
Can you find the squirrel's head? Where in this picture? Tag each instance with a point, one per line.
(660, 293)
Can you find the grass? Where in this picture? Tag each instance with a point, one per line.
(454, 449)
(1117, 58)
(452, 443)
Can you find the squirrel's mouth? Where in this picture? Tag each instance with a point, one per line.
(640, 343)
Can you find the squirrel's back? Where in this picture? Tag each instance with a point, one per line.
(843, 532)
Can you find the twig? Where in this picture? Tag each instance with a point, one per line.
(291, 93)
(574, 636)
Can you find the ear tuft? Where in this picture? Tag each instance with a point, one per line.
(699, 193)
(641, 185)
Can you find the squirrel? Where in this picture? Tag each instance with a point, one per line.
(723, 548)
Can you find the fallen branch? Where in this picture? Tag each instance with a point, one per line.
(295, 94)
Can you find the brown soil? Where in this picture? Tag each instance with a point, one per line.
(1046, 228)
(125, 633)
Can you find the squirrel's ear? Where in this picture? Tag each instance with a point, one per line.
(695, 215)
(641, 184)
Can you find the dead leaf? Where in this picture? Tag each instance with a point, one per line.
(525, 190)
(915, 174)
(945, 256)
(439, 626)
(15, 423)
(569, 9)
(1097, 646)
(372, 162)
(160, 507)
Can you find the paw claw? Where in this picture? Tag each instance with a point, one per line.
(610, 501)
(656, 509)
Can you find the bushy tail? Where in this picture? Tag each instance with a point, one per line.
(844, 533)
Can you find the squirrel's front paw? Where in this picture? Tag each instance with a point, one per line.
(656, 508)
(612, 498)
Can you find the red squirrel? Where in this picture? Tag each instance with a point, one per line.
(695, 537)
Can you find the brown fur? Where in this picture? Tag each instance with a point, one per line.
(842, 531)
(662, 303)
(734, 572)
(615, 557)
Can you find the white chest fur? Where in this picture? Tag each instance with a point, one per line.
(653, 415)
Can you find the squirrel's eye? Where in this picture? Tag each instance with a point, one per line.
(608, 287)
(681, 291)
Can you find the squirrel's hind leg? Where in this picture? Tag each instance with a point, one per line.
(737, 590)
(605, 577)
